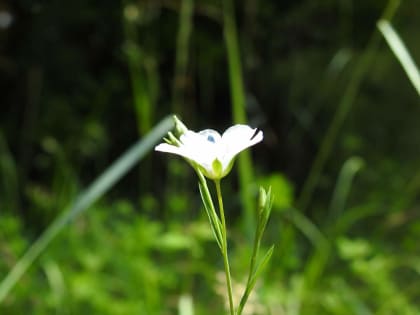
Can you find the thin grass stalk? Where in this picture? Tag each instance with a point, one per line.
(413, 189)
(84, 200)
(179, 85)
(239, 115)
(344, 183)
(143, 79)
(344, 107)
(317, 263)
(9, 178)
(181, 56)
(401, 53)
(136, 66)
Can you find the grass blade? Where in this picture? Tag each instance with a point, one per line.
(181, 57)
(8, 177)
(143, 82)
(400, 51)
(343, 186)
(85, 199)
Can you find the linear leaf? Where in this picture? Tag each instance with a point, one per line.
(84, 200)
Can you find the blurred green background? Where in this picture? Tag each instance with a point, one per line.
(82, 81)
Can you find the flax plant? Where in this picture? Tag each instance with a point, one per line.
(212, 156)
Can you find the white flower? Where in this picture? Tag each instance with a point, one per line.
(212, 153)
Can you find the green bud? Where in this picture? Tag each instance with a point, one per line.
(179, 126)
(262, 200)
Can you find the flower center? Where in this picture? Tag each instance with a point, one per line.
(210, 135)
(211, 138)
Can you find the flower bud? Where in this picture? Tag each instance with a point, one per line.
(262, 200)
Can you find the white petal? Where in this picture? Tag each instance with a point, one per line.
(204, 147)
(193, 147)
(200, 149)
(210, 135)
(238, 132)
(238, 138)
(168, 148)
(191, 138)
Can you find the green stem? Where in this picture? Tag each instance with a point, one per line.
(181, 57)
(238, 110)
(251, 273)
(257, 243)
(225, 247)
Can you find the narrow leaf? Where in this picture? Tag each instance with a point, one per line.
(253, 279)
(261, 266)
(84, 200)
(209, 207)
(401, 52)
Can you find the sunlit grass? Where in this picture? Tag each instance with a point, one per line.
(401, 52)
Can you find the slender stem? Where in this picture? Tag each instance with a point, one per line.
(181, 56)
(225, 247)
(238, 100)
(257, 243)
(251, 273)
